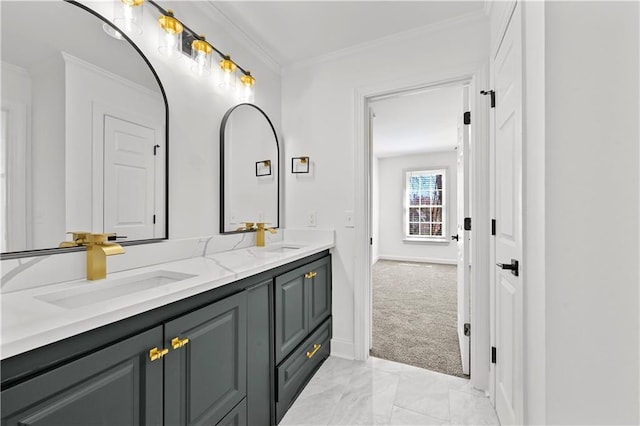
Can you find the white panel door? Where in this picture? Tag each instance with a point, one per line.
(129, 179)
(508, 210)
(463, 204)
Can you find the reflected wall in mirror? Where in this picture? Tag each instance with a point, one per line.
(84, 136)
(249, 169)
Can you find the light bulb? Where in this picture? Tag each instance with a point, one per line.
(128, 16)
(228, 70)
(170, 40)
(201, 55)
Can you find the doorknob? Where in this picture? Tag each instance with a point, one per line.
(454, 237)
(513, 266)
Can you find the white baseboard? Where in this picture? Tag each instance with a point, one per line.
(342, 348)
(418, 259)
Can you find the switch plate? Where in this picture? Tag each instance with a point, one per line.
(312, 218)
(348, 219)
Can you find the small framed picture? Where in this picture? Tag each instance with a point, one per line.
(300, 165)
(263, 168)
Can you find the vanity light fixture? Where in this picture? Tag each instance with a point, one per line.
(246, 92)
(300, 165)
(170, 36)
(201, 55)
(128, 16)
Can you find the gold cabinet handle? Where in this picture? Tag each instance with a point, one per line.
(310, 274)
(155, 353)
(177, 343)
(316, 347)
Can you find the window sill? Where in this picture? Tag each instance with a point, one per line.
(426, 240)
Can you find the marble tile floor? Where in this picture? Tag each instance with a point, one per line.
(380, 392)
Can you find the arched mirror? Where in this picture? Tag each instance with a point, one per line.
(249, 169)
(84, 131)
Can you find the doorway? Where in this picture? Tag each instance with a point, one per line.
(420, 292)
(480, 340)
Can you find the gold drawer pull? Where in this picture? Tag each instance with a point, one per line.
(316, 347)
(155, 353)
(310, 274)
(177, 343)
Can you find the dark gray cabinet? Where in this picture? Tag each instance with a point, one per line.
(260, 354)
(238, 354)
(302, 302)
(302, 328)
(206, 368)
(189, 371)
(118, 385)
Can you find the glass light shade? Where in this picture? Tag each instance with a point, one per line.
(127, 15)
(228, 73)
(246, 92)
(201, 55)
(170, 36)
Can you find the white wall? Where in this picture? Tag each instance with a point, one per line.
(390, 207)
(319, 121)
(591, 68)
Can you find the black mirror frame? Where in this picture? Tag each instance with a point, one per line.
(58, 250)
(277, 173)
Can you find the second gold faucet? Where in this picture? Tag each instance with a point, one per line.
(260, 228)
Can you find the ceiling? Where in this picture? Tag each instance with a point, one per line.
(417, 122)
(291, 32)
(297, 31)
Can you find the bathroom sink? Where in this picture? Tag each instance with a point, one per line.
(100, 291)
(282, 248)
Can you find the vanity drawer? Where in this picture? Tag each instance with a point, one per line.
(295, 371)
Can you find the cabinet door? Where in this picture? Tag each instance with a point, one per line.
(118, 385)
(237, 416)
(319, 284)
(291, 312)
(206, 377)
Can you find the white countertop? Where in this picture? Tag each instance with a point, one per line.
(28, 322)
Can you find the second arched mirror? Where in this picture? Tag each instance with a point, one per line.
(249, 169)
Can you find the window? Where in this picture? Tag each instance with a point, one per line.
(425, 205)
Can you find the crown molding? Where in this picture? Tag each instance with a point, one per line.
(404, 35)
(212, 12)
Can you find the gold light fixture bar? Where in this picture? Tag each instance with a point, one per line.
(247, 79)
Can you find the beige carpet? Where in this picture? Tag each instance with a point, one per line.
(414, 315)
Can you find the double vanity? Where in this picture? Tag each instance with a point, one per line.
(211, 331)
(225, 338)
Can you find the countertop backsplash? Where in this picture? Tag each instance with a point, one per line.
(36, 271)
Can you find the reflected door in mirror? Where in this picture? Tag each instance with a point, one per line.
(73, 102)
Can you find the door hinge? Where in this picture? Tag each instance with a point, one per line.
(154, 219)
(493, 227)
(467, 224)
(371, 241)
(155, 149)
(467, 117)
(493, 354)
(467, 329)
(492, 94)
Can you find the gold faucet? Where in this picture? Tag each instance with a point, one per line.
(79, 239)
(97, 251)
(260, 233)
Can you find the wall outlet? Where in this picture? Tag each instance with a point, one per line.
(348, 219)
(312, 219)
